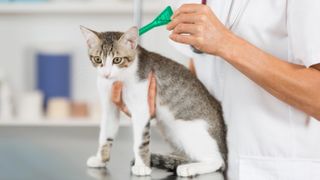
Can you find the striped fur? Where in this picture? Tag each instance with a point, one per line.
(144, 149)
(105, 150)
(167, 162)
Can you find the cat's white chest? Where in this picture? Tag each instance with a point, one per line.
(135, 95)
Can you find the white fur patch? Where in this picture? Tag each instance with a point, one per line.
(95, 162)
(194, 169)
(140, 170)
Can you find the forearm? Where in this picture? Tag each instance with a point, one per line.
(294, 84)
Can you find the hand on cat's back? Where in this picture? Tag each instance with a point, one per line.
(117, 96)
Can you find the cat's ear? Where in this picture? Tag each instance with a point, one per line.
(91, 37)
(130, 38)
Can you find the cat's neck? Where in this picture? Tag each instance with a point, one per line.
(141, 67)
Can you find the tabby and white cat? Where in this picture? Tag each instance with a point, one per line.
(189, 117)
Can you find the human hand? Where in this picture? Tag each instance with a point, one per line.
(117, 96)
(192, 68)
(197, 25)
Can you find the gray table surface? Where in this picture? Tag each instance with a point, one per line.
(60, 153)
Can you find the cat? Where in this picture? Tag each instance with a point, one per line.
(190, 118)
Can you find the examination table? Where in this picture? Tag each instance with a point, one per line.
(60, 153)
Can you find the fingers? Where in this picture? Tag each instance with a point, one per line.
(185, 18)
(125, 109)
(116, 93)
(189, 23)
(186, 29)
(152, 94)
(187, 8)
(188, 13)
(185, 39)
(116, 97)
(192, 68)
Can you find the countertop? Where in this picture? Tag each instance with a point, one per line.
(60, 153)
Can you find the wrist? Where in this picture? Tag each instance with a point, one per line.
(228, 46)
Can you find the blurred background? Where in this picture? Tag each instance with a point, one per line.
(49, 109)
(45, 74)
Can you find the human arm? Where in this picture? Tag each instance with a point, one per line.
(296, 85)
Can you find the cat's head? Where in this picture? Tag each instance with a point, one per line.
(111, 53)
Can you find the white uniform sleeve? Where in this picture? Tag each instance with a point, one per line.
(304, 30)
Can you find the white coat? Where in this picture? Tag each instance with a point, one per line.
(267, 138)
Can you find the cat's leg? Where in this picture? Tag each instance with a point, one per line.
(199, 146)
(109, 125)
(135, 94)
(141, 135)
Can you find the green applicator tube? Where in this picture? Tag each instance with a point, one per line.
(162, 19)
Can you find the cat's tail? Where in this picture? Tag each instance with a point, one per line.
(168, 162)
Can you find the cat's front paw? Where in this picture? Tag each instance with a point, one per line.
(95, 162)
(186, 170)
(141, 170)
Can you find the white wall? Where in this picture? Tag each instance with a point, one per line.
(20, 33)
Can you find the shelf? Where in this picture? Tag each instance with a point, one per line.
(93, 7)
(78, 122)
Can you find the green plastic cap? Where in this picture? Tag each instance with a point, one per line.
(162, 19)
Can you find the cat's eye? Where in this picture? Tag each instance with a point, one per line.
(117, 60)
(97, 59)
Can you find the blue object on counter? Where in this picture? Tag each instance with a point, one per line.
(53, 75)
